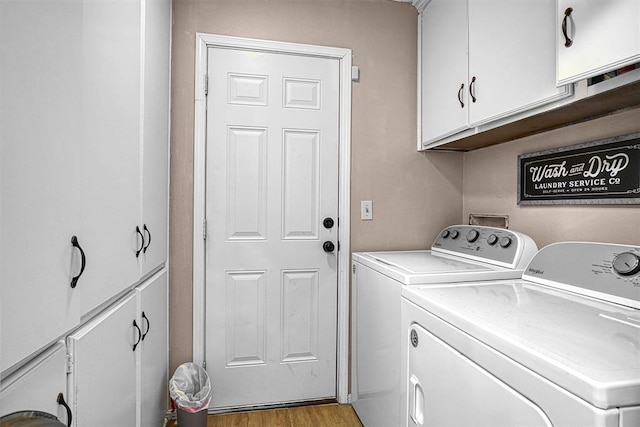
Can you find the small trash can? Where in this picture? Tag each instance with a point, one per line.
(190, 388)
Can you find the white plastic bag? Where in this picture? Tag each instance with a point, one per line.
(190, 387)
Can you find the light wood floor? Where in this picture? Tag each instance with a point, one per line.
(327, 415)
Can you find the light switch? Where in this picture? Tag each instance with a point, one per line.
(366, 209)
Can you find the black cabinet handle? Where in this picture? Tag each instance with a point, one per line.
(144, 250)
(74, 242)
(471, 91)
(61, 401)
(460, 95)
(142, 244)
(135, 325)
(144, 316)
(567, 14)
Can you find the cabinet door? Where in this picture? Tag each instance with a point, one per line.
(40, 153)
(154, 360)
(155, 133)
(444, 66)
(35, 387)
(102, 381)
(110, 163)
(605, 36)
(511, 57)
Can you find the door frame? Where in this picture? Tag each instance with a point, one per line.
(203, 43)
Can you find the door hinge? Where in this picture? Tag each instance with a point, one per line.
(204, 229)
(353, 268)
(69, 363)
(204, 364)
(206, 85)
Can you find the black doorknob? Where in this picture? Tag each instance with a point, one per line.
(328, 222)
(328, 246)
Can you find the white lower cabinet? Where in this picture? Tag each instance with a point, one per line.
(37, 385)
(153, 361)
(117, 372)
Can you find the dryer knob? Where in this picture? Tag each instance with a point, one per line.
(455, 234)
(492, 239)
(626, 264)
(444, 234)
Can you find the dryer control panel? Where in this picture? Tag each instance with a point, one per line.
(601, 270)
(487, 244)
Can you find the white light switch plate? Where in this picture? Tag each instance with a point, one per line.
(366, 209)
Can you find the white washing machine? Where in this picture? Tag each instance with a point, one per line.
(459, 253)
(559, 347)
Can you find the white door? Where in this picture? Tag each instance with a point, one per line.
(272, 179)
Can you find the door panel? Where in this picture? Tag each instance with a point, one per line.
(272, 177)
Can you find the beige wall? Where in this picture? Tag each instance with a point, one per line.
(414, 194)
(490, 186)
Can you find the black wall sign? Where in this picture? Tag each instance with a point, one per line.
(598, 172)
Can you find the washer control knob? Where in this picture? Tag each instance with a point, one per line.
(505, 242)
(626, 264)
(455, 234)
(444, 234)
(472, 236)
(492, 239)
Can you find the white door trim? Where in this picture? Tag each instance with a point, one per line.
(203, 42)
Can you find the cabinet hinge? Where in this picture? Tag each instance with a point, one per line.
(204, 229)
(69, 363)
(206, 85)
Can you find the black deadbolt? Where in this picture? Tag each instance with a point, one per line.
(328, 222)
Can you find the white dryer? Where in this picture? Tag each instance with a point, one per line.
(559, 347)
(460, 253)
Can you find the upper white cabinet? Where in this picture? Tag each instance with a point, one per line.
(445, 69)
(84, 111)
(40, 183)
(109, 171)
(484, 60)
(595, 37)
(155, 148)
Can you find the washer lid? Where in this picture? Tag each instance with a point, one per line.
(416, 267)
(588, 347)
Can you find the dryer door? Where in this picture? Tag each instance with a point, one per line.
(448, 389)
